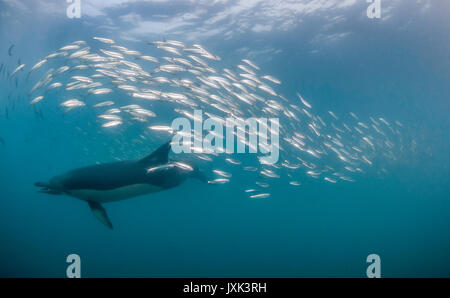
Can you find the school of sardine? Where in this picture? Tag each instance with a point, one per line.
(124, 87)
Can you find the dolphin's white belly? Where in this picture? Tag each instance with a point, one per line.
(111, 195)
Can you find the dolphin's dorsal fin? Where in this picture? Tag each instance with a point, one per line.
(159, 156)
(100, 213)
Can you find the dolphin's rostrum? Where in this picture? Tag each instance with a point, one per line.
(121, 180)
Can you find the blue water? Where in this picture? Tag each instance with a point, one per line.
(397, 67)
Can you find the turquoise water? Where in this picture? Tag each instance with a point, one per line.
(397, 67)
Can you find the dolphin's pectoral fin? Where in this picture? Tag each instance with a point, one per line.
(100, 213)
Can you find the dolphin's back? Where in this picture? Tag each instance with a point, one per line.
(104, 176)
(112, 175)
(116, 175)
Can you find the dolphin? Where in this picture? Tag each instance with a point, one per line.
(121, 180)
